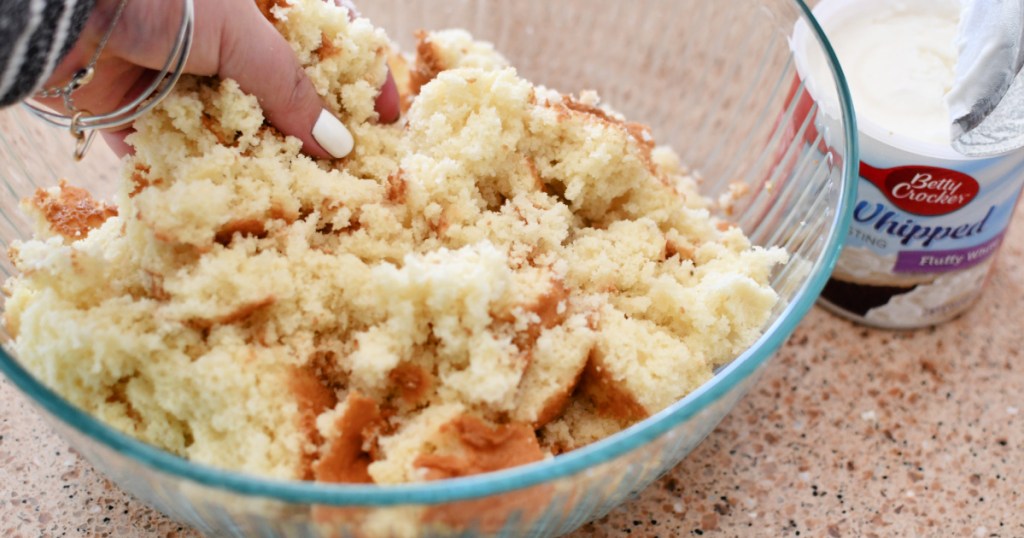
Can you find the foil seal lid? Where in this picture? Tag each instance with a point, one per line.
(986, 101)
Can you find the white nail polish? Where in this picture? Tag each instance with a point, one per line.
(332, 135)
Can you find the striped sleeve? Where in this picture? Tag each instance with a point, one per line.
(34, 36)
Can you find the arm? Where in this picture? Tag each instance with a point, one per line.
(34, 36)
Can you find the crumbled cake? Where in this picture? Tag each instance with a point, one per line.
(506, 274)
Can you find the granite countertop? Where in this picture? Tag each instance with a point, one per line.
(850, 432)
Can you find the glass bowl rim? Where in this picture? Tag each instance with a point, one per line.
(473, 487)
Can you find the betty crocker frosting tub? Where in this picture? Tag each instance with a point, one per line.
(928, 221)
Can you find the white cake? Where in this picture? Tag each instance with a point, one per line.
(505, 274)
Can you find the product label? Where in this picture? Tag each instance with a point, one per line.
(931, 261)
(922, 240)
(923, 190)
(929, 219)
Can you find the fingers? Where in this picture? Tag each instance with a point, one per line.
(115, 139)
(232, 40)
(255, 55)
(388, 102)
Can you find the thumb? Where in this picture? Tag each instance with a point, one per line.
(256, 56)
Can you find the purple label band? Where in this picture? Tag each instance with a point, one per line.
(938, 261)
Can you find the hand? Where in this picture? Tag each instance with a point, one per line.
(232, 40)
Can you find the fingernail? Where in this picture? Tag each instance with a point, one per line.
(332, 135)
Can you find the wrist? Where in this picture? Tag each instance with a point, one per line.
(86, 37)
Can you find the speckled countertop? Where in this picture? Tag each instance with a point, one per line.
(850, 432)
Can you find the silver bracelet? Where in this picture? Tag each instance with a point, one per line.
(83, 124)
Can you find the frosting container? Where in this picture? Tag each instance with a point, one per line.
(928, 221)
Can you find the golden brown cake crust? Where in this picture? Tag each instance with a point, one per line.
(428, 65)
(71, 211)
(481, 448)
(608, 396)
(345, 458)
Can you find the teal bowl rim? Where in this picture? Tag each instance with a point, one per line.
(474, 487)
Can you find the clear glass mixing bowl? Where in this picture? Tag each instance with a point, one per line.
(715, 80)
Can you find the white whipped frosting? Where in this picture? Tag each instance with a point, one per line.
(861, 265)
(932, 303)
(899, 60)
